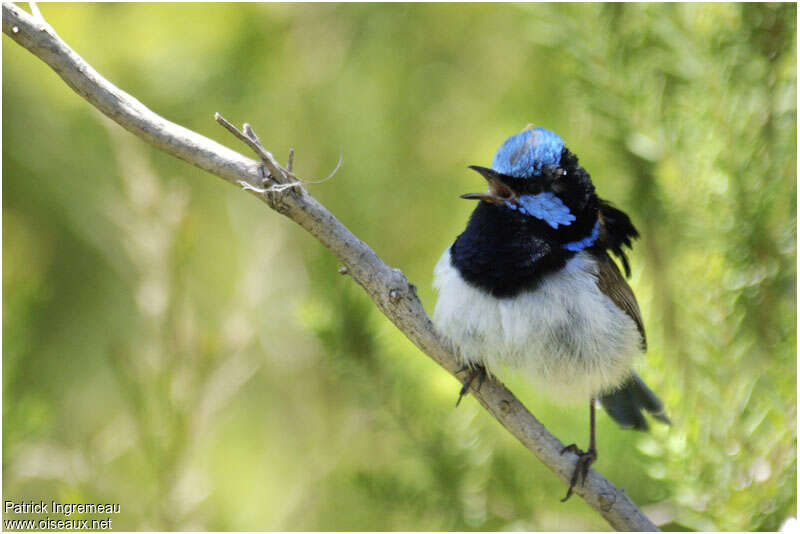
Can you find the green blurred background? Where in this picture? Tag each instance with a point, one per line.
(173, 346)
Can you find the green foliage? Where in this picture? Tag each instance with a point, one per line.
(172, 346)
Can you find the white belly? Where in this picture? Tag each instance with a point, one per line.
(568, 336)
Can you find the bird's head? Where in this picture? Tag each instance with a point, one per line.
(535, 176)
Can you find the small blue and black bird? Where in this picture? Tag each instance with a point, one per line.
(530, 284)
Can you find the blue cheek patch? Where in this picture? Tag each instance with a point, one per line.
(544, 206)
(525, 154)
(586, 242)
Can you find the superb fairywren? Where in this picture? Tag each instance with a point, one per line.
(530, 284)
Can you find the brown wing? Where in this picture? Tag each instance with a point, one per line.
(611, 282)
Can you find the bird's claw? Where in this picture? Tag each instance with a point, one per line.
(478, 372)
(585, 461)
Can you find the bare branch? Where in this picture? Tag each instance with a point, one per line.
(388, 287)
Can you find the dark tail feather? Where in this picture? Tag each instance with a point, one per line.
(626, 403)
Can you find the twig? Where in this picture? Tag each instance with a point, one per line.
(265, 155)
(249, 137)
(389, 289)
(35, 11)
(276, 173)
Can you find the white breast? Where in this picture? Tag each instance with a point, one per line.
(568, 336)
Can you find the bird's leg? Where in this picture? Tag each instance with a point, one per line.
(478, 372)
(585, 459)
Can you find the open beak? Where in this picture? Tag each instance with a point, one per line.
(497, 192)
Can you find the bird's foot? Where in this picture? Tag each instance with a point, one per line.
(474, 372)
(585, 460)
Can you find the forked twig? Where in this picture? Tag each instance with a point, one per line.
(249, 137)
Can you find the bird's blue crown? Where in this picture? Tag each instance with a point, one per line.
(525, 154)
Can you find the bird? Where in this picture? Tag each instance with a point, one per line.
(530, 285)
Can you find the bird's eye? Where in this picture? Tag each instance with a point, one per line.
(553, 179)
(553, 172)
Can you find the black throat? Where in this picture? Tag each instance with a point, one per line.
(506, 253)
